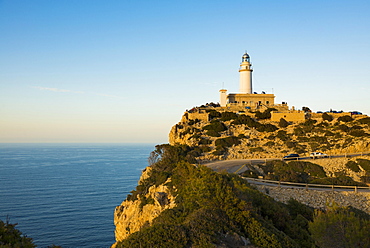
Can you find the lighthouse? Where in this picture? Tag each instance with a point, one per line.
(245, 73)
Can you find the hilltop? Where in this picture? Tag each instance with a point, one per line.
(220, 134)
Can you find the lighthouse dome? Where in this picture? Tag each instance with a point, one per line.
(245, 57)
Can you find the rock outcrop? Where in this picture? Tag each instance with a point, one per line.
(131, 216)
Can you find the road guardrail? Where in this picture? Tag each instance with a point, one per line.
(307, 186)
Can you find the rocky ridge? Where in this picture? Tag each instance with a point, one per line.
(338, 136)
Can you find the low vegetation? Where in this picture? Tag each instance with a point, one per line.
(11, 237)
(218, 209)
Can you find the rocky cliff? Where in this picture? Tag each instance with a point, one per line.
(132, 215)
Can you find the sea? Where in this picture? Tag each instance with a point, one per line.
(65, 194)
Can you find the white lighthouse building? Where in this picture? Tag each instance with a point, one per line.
(245, 73)
(246, 99)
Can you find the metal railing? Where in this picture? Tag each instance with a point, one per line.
(307, 186)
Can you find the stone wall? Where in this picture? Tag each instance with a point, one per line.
(293, 116)
(319, 199)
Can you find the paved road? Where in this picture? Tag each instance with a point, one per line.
(233, 166)
(237, 165)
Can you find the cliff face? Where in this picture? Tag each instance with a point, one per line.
(130, 216)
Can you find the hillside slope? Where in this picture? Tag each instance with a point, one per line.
(180, 203)
(228, 135)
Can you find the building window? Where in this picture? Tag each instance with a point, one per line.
(267, 102)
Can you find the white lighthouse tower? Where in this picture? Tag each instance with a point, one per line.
(245, 72)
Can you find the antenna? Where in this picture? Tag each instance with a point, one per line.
(223, 85)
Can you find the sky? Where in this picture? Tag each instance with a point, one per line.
(125, 71)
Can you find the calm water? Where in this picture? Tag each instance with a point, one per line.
(65, 194)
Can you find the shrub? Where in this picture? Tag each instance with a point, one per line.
(219, 151)
(345, 118)
(256, 149)
(214, 114)
(358, 133)
(267, 128)
(319, 139)
(281, 134)
(343, 128)
(365, 120)
(192, 122)
(269, 143)
(365, 179)
(340, 227)
(213, 133)
(250, 173)
(327, 117)
(364, 163)
(245, 119)
(215, 126)
(226, 116)
(205, 141)
(298, 131)
(283, 123)
(290, 144)
(299, 148)
(228, 141)
(12, 237)
(309, 122)
(314, 145)
(265, 114)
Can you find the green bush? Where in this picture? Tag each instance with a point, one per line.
(227, 116)
(228, 141)
(215, 126)
(282, 135)
(340, 227)
(265, 114)
(256, 149)
(298, 131)
(219, 151)
(267, 128)
(309, 122)
(269, 143)
(245, 119)
(213, 133)
(327, 117)
(345, 118)
(364, 163)
(352, 165)
(213, 114)
(192, 122)
(205, 141)
(250, 173)
(358, 133)
(11, 237)
(319, 139)
(343, 128)
(365, 120)
(283, 123)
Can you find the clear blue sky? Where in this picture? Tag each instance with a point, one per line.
(125, 71)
